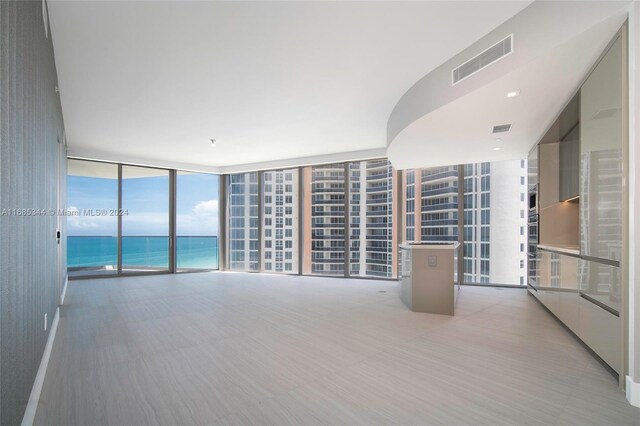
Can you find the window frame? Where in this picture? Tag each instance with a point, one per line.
(172, 254)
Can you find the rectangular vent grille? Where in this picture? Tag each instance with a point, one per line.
(483, 60)
(501, 128)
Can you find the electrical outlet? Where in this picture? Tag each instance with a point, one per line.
(45, 322)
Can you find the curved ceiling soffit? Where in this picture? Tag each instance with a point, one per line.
(536, 30)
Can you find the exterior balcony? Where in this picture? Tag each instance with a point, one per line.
(453, 190)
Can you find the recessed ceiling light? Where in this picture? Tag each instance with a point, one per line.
(513, 94)
(213, 142)
(497, 148)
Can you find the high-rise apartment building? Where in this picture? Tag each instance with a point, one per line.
(495, 216)
(495, 222)
(365, 188)
(280, 221)
(430, 204)
(325, 231)
(243, 222)
(371, 219)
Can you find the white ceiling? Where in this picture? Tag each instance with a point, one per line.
(462, 130)
(270, 81)
(552, 65)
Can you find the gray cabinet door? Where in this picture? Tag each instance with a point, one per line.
(570, 165)
(570, 149)
(601, 133)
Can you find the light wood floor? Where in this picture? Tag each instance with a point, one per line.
(225, 348)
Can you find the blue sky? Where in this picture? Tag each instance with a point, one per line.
(147, 202)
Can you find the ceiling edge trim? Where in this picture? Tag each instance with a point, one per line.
(89, 154)
(308, 161)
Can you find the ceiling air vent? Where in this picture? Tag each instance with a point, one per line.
(482, 60)
(501, 128)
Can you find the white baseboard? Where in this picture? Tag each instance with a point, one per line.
(633, 392)
(34, 398)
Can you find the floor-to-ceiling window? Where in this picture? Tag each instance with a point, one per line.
(495, 222)
(197, 221)
(439, 204)
(243, 222)
(494, 216)
(120, 219)
(324, 232)
(308, 220)
(409, 206)
(349, 219)
(92, 225)
(372, 242)
(280, 221)
(145, 226)
(430, 204)
(340, 217)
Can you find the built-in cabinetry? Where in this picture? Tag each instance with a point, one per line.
(559, 168)
(569, 147)
(581, 293)
(601, 158)
(576, 209)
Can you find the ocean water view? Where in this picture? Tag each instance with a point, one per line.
(95, 252)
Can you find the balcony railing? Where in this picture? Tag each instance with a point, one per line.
(87, 255)
(453, 190)
(449, 174)
(431, 208)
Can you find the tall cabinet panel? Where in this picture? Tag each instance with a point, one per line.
(601, 134)
(574, 270)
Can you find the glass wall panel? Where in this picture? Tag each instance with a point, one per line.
(430, 205)
(243, 222)
(372, 244)
(280, 221)
(324, 224)
(196, 221)
(145, 222)
(495, 212)
(495, 222)
(92, 237)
